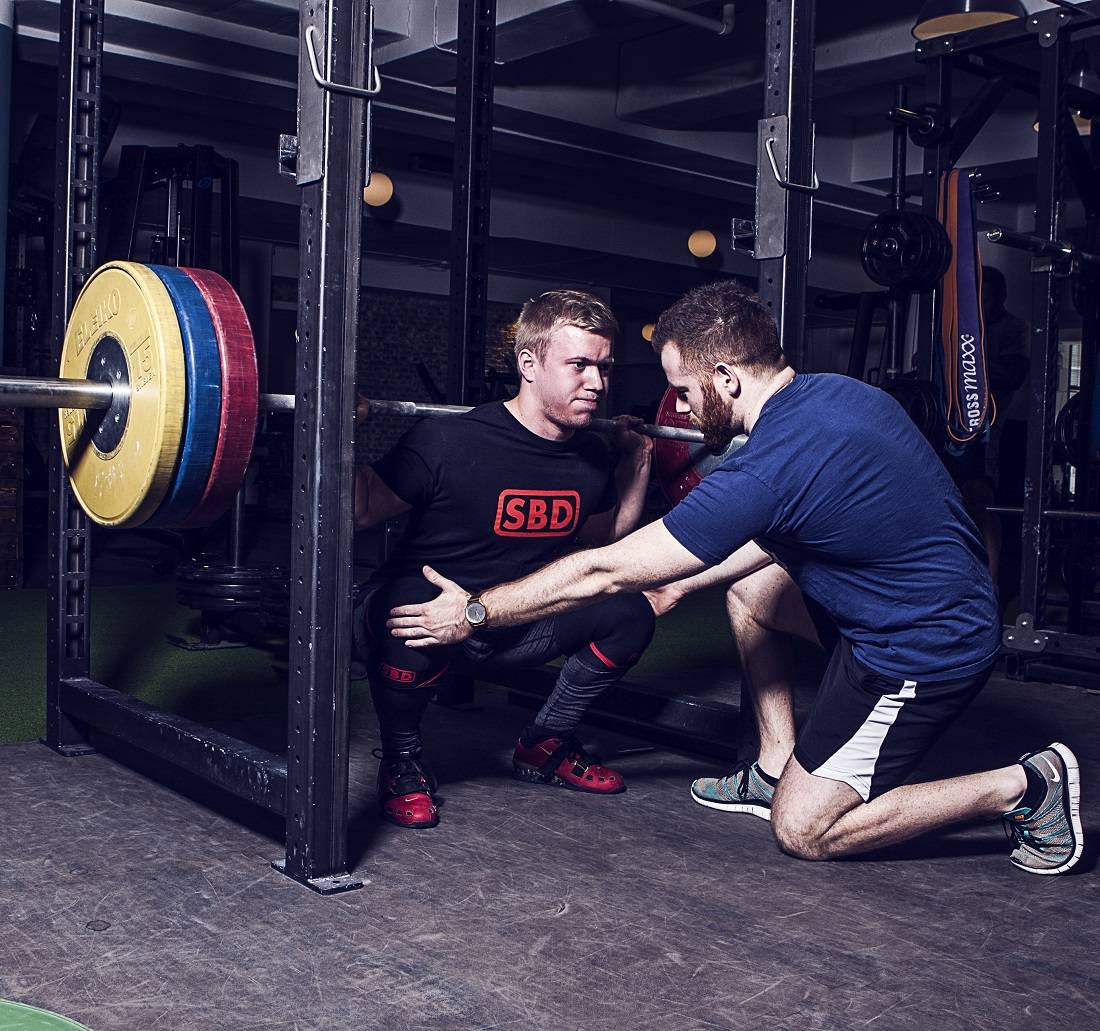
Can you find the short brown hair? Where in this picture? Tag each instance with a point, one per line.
(543, 315)
(721, 322)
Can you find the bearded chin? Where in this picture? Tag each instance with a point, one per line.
(715, 420)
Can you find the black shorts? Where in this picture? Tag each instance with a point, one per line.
(868, 730)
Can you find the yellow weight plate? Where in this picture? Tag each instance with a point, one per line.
(126, 303)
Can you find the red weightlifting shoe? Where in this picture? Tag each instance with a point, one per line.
(405, 786)
(564, 761)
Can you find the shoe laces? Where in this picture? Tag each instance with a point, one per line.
(741, 773)
(570, 748)
(1039, 831)
(403, 772)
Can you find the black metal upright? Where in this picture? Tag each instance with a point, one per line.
(1043, 383)
(937, 161)
(785, 176)
(470, 201)
(80, 57)
(1086, 291)
(330, 172)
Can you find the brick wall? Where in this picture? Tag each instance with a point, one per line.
(396, 331)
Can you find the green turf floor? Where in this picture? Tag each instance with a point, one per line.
(130, 653)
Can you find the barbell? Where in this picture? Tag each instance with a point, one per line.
(158, 400)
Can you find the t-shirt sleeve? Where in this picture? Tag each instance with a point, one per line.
(411, 469)
(727, 510)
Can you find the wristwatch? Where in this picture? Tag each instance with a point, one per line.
(475, 613)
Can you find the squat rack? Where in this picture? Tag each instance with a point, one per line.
(980, 52)
(309, 784)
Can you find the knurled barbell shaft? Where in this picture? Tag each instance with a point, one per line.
(421, 410)
(29, 392)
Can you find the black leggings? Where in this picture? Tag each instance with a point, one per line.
(601, 641)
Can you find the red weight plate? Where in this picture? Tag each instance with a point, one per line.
(240, 396)
(674, 460)
(680, 466)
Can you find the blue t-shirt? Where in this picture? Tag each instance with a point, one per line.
(839, 486)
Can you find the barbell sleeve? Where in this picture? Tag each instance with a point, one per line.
(29, 392)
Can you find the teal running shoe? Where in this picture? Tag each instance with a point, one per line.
(742, 790)
(1049, 838)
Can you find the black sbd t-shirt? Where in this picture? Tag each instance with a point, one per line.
(492, 501)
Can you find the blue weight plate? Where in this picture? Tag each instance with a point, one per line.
(204, 398)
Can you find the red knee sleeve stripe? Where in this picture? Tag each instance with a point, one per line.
(603, 658)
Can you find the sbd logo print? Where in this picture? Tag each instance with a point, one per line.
(537, 513)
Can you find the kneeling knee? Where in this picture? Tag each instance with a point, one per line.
(741, 609)
(798, 838)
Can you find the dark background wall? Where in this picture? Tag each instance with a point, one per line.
(398, 330)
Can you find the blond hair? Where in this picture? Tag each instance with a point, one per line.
(542, 316)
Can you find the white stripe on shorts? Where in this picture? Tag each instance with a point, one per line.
(854, 762)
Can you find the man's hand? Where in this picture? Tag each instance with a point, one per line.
(439, 621)
(663, 599)
(628, 441)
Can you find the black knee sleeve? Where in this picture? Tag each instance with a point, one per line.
(614, 632)
(402, 680)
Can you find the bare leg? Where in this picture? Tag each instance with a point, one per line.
(763, 608)
(816, 818)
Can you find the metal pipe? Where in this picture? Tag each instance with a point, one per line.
(867, 304)
(25, 392)
(1049, 513)
(235, 544)
(898, 191)
(420, 410)
(901, 115)
(722, 28)
(1056, 249)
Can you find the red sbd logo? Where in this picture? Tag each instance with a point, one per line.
(537, 513)
(399, 676)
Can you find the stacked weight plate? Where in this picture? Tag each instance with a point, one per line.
(174, 447)
(219, 587)
(681, 465)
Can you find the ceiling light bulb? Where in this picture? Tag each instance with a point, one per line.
(378, 191)
(702, 243)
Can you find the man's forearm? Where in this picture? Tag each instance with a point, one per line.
(743, 562)
(646, 558)
(631, 482)
(564, 585)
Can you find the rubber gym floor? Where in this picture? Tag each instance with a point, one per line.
(133, 899)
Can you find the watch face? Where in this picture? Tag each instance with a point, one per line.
(475, 613)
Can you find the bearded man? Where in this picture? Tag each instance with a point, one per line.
(836, 514)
